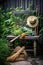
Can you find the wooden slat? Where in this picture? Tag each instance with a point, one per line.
(22, 12)
(21, 3)
(29, 50)
(26, 37)
(30, 38)
(25, 4)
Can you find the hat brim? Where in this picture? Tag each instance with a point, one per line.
(30, 25)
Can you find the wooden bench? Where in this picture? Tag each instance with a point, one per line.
(34, 38)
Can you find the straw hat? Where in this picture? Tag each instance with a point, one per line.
(32, 21)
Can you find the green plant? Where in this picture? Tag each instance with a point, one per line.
(4, 50)
(41, 41)
(12, 24)
(40, 22)
(41, 35)
(1, 21)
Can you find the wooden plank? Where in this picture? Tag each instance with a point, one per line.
(25, 4)
(25, 38)
(23, 12)
(35, 48)
(21, 3)
(29, 50)
(17, 3)
(30, 38)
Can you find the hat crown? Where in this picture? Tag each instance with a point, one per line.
(33, 22)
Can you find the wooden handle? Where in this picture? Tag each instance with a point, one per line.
(14, 38)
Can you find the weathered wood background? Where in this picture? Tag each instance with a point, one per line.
(22, 3)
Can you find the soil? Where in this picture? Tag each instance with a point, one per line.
(29, 61)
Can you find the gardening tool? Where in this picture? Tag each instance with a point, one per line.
(15, 55)
(23, 35)
(22, 56)
(14, 38)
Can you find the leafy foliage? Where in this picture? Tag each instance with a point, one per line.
(40, 29)
(12, 24)
(40, 22)
(41, 35)
(4, 50)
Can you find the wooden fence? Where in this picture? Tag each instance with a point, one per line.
(19, 3)
(23, 3)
